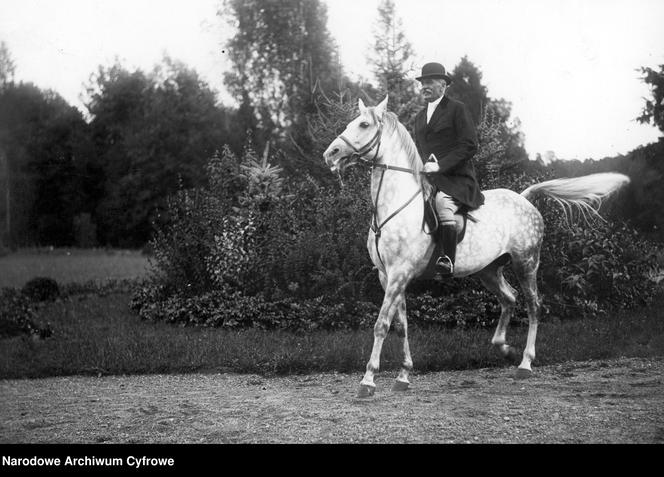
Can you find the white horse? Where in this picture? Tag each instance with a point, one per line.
(507, 224)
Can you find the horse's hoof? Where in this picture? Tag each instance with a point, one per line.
(400, 385)
(523, 373)
(366, 391)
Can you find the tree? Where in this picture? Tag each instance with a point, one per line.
(6, 197)
(510, 131)
(392, 62)
(60, 172)
(282, 53)
(6, 77)
(467, 87)
(44, 144)
(7, 66)
(653, 111)
(153, 134)
(500, 138)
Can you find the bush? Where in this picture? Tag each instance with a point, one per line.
(206, 240)
(41, 289)
(182, 244)
(17, 316)
(254, 250)
(467, 307)
(315, 244)
(268, 266)
(233, 310)
(233, 253)
(587, 270)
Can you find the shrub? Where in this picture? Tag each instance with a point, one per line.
(233, 252)
(17, 316)
(589, 269)
(183, 243)
(41, 289)
(468, 306)
(254, 250)
(226, 308)
(315, 244)
(207, 238)
(305, 252)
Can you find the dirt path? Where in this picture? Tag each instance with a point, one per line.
(614, 401)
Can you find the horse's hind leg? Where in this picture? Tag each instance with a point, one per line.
(526, 271)
(492, 278)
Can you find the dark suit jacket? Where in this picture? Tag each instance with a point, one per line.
(451, 137)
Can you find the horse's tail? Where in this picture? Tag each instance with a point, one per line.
(583, 193)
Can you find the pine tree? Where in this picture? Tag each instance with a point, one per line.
(392, 62)
(467, 87)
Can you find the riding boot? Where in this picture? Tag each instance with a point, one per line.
(445, 263)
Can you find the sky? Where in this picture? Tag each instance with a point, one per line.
(569, 67)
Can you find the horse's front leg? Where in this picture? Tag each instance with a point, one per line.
(401, 327)
(393, 302)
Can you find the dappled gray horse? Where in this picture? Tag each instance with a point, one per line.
(508, 224)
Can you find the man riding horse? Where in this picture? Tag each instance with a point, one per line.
(445, 134)
(507, 224)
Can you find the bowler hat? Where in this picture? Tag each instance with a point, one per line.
(434, 70)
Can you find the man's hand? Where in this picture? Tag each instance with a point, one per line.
(431, 166)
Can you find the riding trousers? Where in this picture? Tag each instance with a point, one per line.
(446, 207)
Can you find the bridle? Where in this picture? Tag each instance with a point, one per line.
(359, 154)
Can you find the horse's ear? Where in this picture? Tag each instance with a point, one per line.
(361, 105)
(381, 108)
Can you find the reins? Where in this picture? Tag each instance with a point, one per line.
(375, 227)
(359, 155)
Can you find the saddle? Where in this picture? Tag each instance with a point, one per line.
(462, 215)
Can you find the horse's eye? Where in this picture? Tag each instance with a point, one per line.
(364, 124)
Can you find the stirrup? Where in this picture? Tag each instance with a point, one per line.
(444, 267)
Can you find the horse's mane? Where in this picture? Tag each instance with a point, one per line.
(392, 126)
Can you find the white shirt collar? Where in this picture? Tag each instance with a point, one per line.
(431, 107)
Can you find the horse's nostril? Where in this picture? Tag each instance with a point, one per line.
(335, 151)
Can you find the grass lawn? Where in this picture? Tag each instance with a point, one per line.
(101, 335)
(71, 265)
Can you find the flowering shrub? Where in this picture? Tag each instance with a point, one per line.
(181, 246)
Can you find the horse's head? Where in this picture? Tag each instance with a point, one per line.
(360, 138)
